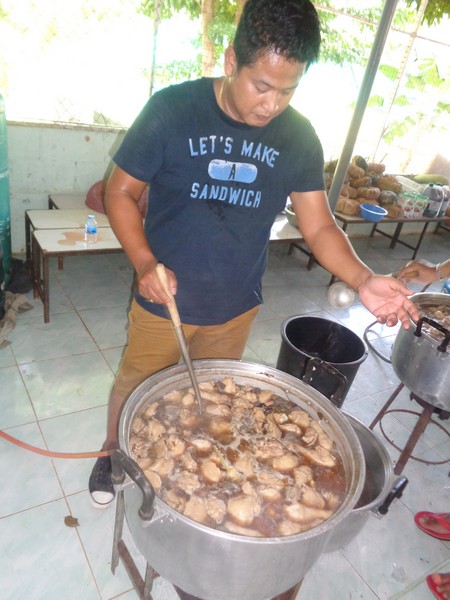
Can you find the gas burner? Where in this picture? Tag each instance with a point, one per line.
(425, 417)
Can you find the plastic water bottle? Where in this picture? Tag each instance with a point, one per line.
(446, 288)
(90, 230)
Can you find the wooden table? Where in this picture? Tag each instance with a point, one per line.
(57, 219)
(64, 242)
(67, 200)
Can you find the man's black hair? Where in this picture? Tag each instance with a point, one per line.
(290, 28)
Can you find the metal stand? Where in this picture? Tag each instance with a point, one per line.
(143, 587)
(424, 419)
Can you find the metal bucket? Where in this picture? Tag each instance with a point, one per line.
(312, 338)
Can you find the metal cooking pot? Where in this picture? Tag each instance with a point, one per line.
(379, 487)
(216, 565)
(420, 362)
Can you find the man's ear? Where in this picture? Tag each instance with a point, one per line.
(230, 64)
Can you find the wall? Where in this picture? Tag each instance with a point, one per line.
(44, 159)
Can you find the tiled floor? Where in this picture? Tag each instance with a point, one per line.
(54, 382)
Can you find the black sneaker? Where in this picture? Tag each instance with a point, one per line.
(101, 486)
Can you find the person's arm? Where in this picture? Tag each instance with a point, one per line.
(121, 202)
(424, 272)
(384, 296)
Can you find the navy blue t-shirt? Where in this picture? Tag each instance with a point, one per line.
(216, 186)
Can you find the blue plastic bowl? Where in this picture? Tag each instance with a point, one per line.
(372, 212)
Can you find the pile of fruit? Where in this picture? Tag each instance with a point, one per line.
(368, 183)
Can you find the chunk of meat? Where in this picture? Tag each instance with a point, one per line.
(150, 411)
(311, 497)
(216, 509)
(275, 480)
(300, 418)
(310, 436)
(229, 385)
(155, 430)
(175, 500)
(188, 463)
(280, 418)
(291, 428)
(218, 410)
(188, 482)
(268, 449)
(269, 494)
(243, 509)
(325, 441)
(319, 456)
(266, 397)
(154, 479)
(195, 509)
(287, 527)
(201, 446)
(234, 528)
(303, 515)
(188, 399)
(173, 396)
(303, 475)
(175, 446)
(162, 466)
(272, 428)
(210, 472)
(246, 464)
(285, 463)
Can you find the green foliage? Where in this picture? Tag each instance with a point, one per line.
(435, 10)
(178, 71)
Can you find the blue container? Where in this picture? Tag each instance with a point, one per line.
(372, 212)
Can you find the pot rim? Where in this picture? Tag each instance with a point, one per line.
(282, 383)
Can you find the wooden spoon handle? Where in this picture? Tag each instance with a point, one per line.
(172, 307)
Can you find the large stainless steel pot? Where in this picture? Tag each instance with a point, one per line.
(420, 362)
(379, 488)
(215, 565)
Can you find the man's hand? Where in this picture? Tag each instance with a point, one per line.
(388, 300)
(150, 287)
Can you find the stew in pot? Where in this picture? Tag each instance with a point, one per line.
(252, 463)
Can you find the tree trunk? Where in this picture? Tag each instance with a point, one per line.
(156, 22)
(208, 60)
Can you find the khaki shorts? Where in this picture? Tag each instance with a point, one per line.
(153, 345)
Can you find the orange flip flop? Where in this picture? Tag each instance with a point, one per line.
(439, 518)
(443, 578)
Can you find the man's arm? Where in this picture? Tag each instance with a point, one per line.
(121, 202)
(385, 297)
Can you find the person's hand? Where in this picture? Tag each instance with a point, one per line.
(149, 286)
(387, 298)
(420, 271)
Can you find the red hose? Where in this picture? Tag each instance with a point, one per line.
(26, 446)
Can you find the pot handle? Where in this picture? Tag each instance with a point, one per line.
(315, 368)
(396, 492)
(446, 333)
(124, 465)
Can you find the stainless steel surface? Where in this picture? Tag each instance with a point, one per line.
(174, 315)
(215, 565)
(418, 362)
(379, 482)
